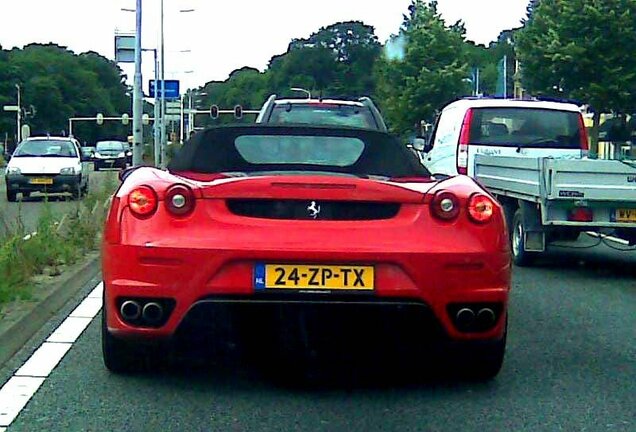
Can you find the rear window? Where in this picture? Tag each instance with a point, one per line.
(526, 127)
(323, 114)
(285, 149)
(110, 145)
(295, 149)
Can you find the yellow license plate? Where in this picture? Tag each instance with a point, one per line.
(41, 181)
(626, 215)
(313, 277)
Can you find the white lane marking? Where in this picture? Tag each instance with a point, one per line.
(16, 393)
(97, 292)
(14, 396)
(44, 360)
(70, 330)
(87, 308)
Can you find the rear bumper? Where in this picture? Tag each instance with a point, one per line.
(61, 183)
(213, 280)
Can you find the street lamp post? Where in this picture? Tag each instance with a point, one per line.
(157, 108)
(19, 115)
(137, 93)
(163, 95)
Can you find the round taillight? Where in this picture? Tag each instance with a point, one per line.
(143, 201)
(445, 206)
(180, 200)
(480, 208)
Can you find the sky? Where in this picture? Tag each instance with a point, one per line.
(216, 37)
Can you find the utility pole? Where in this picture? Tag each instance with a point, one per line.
(19, 116)
(137, 94)
(163, 95)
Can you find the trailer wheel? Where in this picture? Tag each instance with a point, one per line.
(520, 256)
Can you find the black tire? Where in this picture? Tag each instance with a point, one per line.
(95, 167)
(26, 195)
(126, 357)
(520, 256)
(480, 361)
(12, 196)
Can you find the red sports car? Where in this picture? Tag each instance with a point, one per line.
(278, 231)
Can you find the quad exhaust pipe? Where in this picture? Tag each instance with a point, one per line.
(465, 318)
(135, 312)
(474, 318)
(130, 310)
(152, 313)
(486, 318)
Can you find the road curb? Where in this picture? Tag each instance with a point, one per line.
(17, 334)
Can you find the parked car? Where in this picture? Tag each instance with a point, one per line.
(110, 154)
(49, 165)
(503, 127)
(262, 234)
(360, 112)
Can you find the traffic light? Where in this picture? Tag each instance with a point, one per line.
(238, 112)
(214, 112)
(100, 119)
(125, 119)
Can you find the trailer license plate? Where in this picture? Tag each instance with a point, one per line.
(625, 215)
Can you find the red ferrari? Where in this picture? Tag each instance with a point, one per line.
(280, 231)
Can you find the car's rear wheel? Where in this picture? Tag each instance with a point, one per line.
(124, 357)
(480, 361)
(520, 256)
(12, 195)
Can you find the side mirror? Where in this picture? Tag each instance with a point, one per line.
(419, 144)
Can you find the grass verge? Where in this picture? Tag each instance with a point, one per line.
(56, 244)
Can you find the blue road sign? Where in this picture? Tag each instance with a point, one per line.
(172, 89)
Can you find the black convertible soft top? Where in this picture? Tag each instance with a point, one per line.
(222, 149)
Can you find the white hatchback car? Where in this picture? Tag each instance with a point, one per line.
(49, 165)
(503, 127)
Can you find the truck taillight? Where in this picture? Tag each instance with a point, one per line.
(464, 141)
(581, 214)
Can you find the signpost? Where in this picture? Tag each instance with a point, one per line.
(171, 89)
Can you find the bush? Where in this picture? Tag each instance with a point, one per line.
(55, 245)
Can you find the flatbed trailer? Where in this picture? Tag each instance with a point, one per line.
(548, 199)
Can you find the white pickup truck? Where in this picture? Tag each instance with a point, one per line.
(531, 154)
(548, 199)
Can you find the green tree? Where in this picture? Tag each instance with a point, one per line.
(57, 84)
(584, 50)
(431, 73)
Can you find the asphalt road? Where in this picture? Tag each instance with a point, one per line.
(570, 366)
(30, 209)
